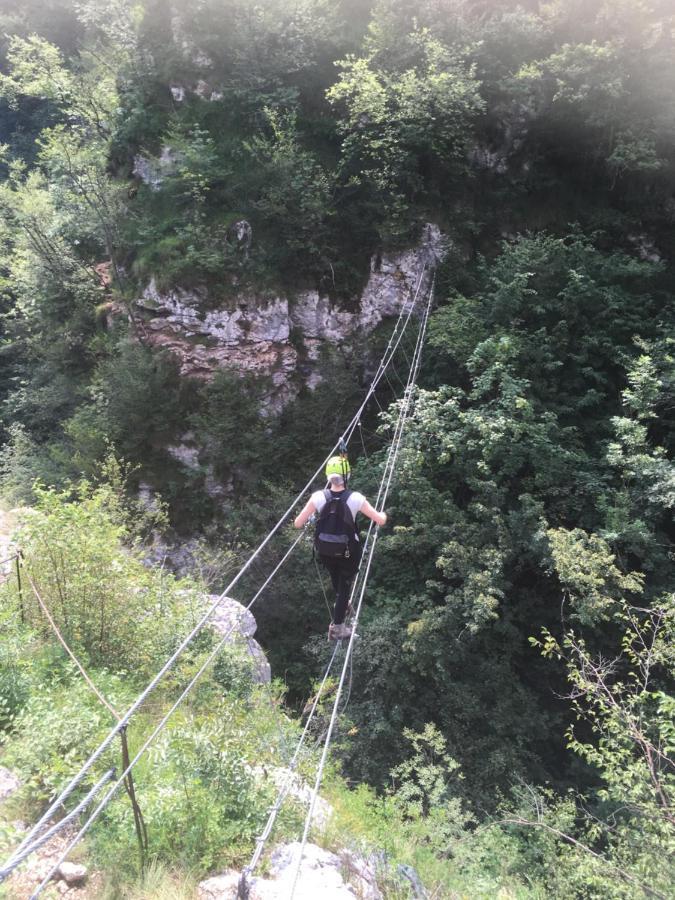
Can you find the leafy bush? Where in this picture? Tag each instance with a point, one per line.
(106, 603)
(61, 723)
(17, 667)
(202, 801)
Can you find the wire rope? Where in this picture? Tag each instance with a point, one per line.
(262, 839)
(387, 474)
(23, 852)
(383, 491)
(391, 348)
(160, 726)
(3, 562)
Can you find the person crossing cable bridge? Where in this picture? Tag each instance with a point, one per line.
(337, 542)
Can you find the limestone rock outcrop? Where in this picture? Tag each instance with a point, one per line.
(322, 874)
(9, 783)
(232, 620)
(280, 336)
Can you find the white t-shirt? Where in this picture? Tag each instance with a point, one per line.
(355, 502)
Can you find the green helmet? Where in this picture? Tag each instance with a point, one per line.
(337, 465)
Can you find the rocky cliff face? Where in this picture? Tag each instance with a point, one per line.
(254, 335)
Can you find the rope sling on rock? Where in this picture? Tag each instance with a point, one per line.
(390, 350)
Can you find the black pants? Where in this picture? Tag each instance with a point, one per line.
(341, 573)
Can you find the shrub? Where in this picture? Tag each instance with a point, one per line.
(60, 724)
(200, 801)
(105, 602)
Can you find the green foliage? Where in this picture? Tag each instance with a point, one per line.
(104, 601)
(423, 790)
(137, 394)
(17, 669)
(158, 882)
(19, 466)
(395, 121)
(38, 69)
(296, 196)
(628, 704)
(60, 723)
(588, 573)
(199, 799)
(235, 434)
(537, 468)
(188, 242)
(498, 463)
(287, 43)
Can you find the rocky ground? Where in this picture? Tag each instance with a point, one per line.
(322, 876)
(72, 879)
(7, 522)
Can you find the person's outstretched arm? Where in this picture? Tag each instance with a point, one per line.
(380, 518)
(305, 515)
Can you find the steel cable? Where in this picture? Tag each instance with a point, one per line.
(160, 726)
(394, 341)
(383, 491)
(385, 481)
(390, 350)
(23, 852)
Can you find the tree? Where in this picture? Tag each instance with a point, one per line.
(629, 829)
(396, 122)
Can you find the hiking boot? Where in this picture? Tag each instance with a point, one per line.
(338, 632)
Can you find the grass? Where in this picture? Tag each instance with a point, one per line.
(157, 883)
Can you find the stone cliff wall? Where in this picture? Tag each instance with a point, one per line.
(254, 335)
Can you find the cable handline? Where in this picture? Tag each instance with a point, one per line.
(390, 350)
(160, 727)
(23, 853)
(262, 839)
(24, 850)
(243, 888)
(24, 845)
(381, 500)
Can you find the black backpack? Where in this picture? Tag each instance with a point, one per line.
(335, 528)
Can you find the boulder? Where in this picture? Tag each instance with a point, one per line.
(323, 876)
(233, 619)
(220, 887)
(186, 454)
(230, 615)
(320, 875)
(9, 783)
(262, 671)
(240, 235)
(72, 873)
(153, 171)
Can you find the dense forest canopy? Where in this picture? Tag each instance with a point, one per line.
(517, 637)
